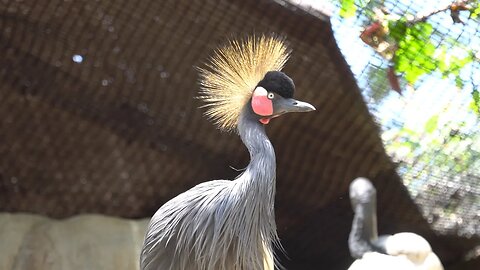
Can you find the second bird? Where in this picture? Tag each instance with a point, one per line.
(401, 251)
(225, 224)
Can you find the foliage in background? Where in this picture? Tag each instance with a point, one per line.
(412, 46)
(439, 161)
(454, 147)
(440, 168)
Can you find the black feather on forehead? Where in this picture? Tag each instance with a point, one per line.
(278, 82)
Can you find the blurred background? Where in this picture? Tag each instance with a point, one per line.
(99, 125)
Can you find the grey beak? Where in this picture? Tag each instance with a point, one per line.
(293, 105)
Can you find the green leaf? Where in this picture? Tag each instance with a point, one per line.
(429, 49)
(474, 107)
(459, 82)
(397, 29)
(415, 54)
(410, 145)
(348, 8)
(407, 132)
(413, 73)
(476, 96)
(474, 14)
(431, 124)
(441, 59)
(401, 62)
(475, 104)
(426, 29)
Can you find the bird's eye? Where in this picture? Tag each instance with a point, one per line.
(270, 95)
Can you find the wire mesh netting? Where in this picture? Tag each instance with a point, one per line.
(417, 63)
(98, 115)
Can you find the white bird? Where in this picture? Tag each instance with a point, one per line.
(401, 251)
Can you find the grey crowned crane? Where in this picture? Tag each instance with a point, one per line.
(401, 251)
(230, 224)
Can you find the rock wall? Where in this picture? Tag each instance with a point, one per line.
(81, 242)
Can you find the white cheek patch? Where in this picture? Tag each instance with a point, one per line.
(260, 91)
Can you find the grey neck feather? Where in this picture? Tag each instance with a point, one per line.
(364, 229)
(261, 170)
(262, 156)
(258, 180)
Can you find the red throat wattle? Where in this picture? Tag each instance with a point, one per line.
(262, 105)
(264, 120)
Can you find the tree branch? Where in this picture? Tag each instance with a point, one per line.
(424, 17)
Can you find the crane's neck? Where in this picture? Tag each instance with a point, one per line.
(254, 189)
(364, 229)
(258, 180)
(261, 169)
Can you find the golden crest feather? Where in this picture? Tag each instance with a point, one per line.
(233, 71)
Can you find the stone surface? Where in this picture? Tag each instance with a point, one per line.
(81, 242)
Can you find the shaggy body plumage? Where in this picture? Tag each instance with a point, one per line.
(232, 222)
